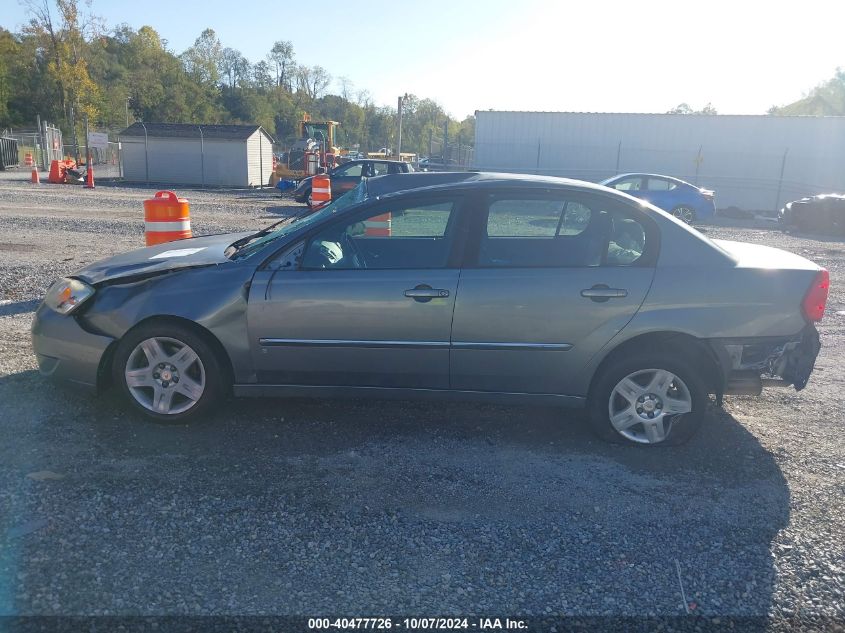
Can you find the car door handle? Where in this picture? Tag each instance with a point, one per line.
(603, 293)
(426, 293)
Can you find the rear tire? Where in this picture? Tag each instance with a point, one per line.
(630, 400)
(169, 372)
(684, 214)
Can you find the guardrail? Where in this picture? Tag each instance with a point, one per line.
(8, 153)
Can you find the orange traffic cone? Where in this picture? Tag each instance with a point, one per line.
(35, 179)
(89, 177)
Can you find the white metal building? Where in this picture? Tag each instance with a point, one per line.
(753, 162)
(187, 154)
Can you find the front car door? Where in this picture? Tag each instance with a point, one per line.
(549, 279)
(345, 178)
(632, 185)
(368, 301)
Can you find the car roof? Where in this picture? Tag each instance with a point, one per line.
(396, 184)
(370, 160)
(646, 175)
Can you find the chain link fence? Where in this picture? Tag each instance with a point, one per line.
(753, 178)
(44, 145)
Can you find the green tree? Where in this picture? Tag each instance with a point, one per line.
(826, 99)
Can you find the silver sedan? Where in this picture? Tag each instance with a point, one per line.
(442, 285)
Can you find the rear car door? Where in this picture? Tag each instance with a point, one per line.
(659, 191)
(369, 301)
(549, 278)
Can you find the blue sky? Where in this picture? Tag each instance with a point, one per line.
(743, 56)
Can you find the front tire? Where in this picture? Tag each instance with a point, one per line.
(169, 372)
(648, 399)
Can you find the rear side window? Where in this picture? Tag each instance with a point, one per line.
(541, 232)
(660, 184)
(627, 241)
(551, 232)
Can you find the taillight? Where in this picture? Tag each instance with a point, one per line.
(816, 297)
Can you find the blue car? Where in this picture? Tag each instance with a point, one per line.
(683, 200)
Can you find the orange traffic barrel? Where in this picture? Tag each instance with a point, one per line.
(166, 218)
(321, 191)
(378, 226)
(28, 160)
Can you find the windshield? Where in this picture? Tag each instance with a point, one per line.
(354, 196)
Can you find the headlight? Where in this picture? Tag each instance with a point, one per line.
(66, 295)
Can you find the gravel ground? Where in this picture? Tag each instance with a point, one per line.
(369, 508)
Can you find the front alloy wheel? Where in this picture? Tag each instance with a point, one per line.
(644, 405)
(170, 371)
(165, 375)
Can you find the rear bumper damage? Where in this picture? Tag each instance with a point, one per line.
(748, 365)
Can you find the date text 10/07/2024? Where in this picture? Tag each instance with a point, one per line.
(417, 624)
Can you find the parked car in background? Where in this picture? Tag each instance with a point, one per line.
(349, 156)
(496, 287)
(683, 200)
(435, 163)
(823, 213)
(346, 176)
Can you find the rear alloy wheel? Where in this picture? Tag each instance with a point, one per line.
(684, 214)
(168, 372)
(648, 399)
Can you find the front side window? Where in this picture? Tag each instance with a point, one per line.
(380, 169)
(351, 171)
(409, 235)
(628, 184)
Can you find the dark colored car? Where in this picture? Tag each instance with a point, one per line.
(680, 198)
(823, 214)
(495, 287)
(346, 176)
(438, 164)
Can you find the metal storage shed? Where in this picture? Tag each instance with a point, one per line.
(188, 154)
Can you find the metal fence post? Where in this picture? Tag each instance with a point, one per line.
(780, 180)
(146, 155)
(202, 157)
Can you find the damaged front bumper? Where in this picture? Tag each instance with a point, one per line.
(750, 364)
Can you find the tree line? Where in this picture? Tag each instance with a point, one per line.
(65, 59)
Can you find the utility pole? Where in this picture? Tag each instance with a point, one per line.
(445, 140)
(75, 139)
(87, 148)
(399, 112)
(127, 111)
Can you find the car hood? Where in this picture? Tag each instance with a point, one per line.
(758, 256)
(199, 251)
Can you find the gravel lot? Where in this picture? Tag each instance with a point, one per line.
(373, 508)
